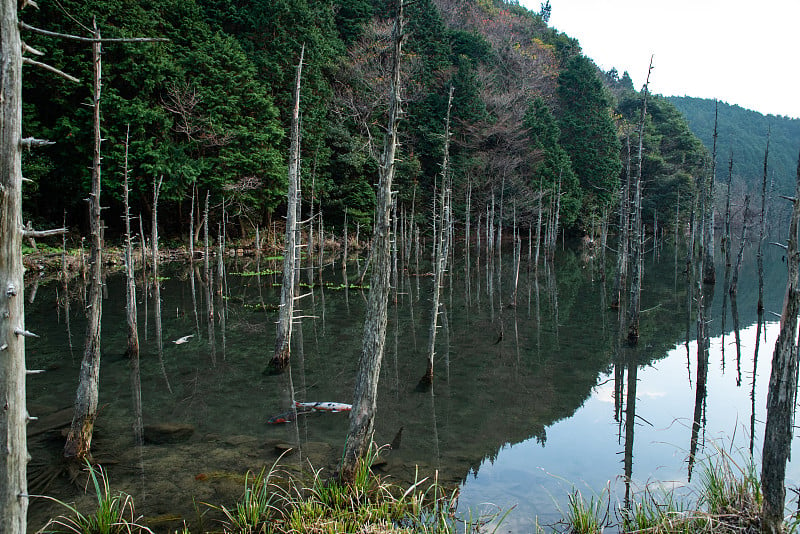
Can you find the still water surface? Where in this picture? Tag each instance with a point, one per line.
(533, 395)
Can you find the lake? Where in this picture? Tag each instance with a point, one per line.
(533, 395)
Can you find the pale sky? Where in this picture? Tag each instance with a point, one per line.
(745, 53)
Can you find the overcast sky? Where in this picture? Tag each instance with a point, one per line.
(745, 53)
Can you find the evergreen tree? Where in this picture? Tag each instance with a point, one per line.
(587, 132)
(551, 161)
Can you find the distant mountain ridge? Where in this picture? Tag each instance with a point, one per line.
(744, 132)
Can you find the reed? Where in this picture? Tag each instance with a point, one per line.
(114, 514)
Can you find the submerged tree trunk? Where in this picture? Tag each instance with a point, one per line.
(441, 248)
(762, 232)
(132, 351)
(638, 233)
(735, 280)
(280, 357)
(13, 419)
(709, 269)
(362, 416)
(782, 393)
(726, 238)
(79, 439)
(621, 272)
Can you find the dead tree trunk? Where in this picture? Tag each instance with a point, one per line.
(735, 280)
(441, 242)
(133, 331)
(621, 272)
(726, 238)
(280, 358)
(191, 227)
(13, 419)
(782, 393)
(362, 416)
(79, 439)
(638, 233)
(709, 270)
(762, 232)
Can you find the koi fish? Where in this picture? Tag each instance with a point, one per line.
(286, 417)
(332, 407)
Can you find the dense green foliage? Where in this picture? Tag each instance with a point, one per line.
(209, 110)
(673, 157)
(743, 134)
(587, 131)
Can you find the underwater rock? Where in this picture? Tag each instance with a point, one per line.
(163, 433)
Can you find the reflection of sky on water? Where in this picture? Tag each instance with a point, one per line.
(585, 452)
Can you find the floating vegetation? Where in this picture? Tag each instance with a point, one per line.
(265, 272)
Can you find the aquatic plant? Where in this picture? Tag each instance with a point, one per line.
(114, 514)
(252, 513)
(587, 517)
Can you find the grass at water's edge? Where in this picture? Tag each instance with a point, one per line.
(726, 499)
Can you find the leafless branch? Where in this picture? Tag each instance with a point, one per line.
(24, 26)
(45, 66)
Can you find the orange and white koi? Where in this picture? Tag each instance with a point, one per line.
(332, 407)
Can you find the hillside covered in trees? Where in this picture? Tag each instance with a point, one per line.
(743, 135)
(534, 120)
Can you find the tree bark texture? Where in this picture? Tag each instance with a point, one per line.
(782, 392)
(133, 329)
(13, 419)
(621, 272)
(280, 357)
(762, 232)
(362, 416)
(79, 439)
(637, 245)
(441, 248)
(709, 269)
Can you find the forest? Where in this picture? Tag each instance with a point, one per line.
(209, 111)
(384, 118)
(743, 134)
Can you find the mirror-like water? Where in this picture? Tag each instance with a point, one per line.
(533, 393)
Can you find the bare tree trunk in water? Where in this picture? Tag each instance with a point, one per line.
(14, 418)
(709, 270)
(132, 351)
(441, 243)
(638, 233)
(191, 227)
(79, 439)
(782, 393)
(280, 358)
(735, 280)
(621, 273)
(362, 416)
(762, 233)
(726, 238)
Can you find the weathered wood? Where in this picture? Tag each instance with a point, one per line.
(735, 279)
(762, 231)
(709, 269)
(130, 309)
(637, 240)
(782, 393)
(14, 449)
(281, 354)
(79, 439)
(621, 272)
(96, 38)
(726, 238)
(362, 416)
(441, 245)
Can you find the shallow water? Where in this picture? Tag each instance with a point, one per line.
(522, 409)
